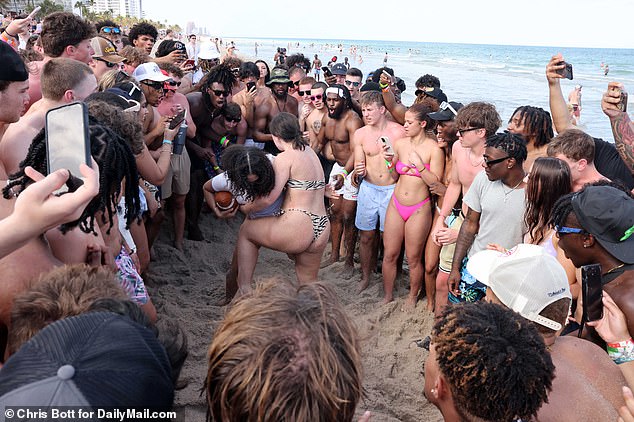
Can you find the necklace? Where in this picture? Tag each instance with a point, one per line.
(478, 164)
(506, 194)
(615, 268)
(278, 104)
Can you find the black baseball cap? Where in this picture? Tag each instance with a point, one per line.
(13, 68)
(607, 213)
(446, 113)
(339, 69)
(437, 94)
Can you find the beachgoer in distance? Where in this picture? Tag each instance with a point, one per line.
(375, 179)
(419, 161)
(317, 68)
(335, 141)
(302, 228)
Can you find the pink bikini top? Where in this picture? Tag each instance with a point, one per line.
(402, 168)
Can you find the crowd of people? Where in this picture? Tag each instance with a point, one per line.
(491, 226)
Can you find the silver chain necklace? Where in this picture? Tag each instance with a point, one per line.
(506, 194)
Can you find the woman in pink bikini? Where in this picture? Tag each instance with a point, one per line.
(419, 161)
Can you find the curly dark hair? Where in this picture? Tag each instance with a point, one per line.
(240, 162)
(514, 145)
(142, 28)
(298, 60)
(429, 81)
(537, 122)
(61, 29)
(549, 179)
(495, 362)
(116, 164)
(221, 74)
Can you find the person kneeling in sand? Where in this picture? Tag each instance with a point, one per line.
(301, 229)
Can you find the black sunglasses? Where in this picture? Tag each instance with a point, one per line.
(108, 64)
(234, 120)
(461, 132)
(173, 83)
(218, 93)
(425, 90)
(316, 97)
(296, 83)
(354, 84)
(302, 93)
(110, 30)
(154, 85)
(489, 163)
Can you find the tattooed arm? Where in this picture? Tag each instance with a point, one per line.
(622, 127)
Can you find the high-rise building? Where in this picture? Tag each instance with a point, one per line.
(118, 7)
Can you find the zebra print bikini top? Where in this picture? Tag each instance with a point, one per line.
(306, 184)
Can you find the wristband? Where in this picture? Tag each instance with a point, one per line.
(621, 352)
(167, 142)
(344, 172)
(9, 34)
(12, 41)
(216, 168)
(224, 141)
(383, 86)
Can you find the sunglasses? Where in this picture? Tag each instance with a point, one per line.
(173, 83)
(351, 83)
(154, 85)
(234, 120)
(296, 83)
(461, 132)
(425, 90)
(302, 93)
(218, 93)
(490, 163)
(235, 70)
(316, 97)
(108, 64)
(110, 30)
(568, 230)
(446, 106)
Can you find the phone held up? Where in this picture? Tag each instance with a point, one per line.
(68, 142)
(622, 105)
(566, 72)
(327, 71)
(250, 86)
(592, 292)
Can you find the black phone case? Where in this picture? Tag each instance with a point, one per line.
(592, 292)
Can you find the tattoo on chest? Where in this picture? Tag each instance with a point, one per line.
(317, 126)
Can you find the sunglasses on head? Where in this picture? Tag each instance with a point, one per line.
(154, 85)
(489, 163)
(316, 97)
(218, 92)
(351, 83)
(108, 64)
(110, 30)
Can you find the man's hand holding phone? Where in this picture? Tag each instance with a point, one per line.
(554, 69)
(386, 78)
(612, 98)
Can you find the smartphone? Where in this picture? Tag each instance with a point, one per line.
(68, 142)
(250, 86)
(327, 71)
(177, 119)
(384, 140)
(592, 292)
(566, 72)
(189, 62)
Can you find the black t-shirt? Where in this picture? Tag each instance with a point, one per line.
(609, 163)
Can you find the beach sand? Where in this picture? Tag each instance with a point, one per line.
(185, 286)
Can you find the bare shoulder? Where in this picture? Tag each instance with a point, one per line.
(195, 100)
(395, 130)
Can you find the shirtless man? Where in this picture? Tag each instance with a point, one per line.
(536, 127)
(14, 87)
(63, 35)
(62, 81)
(475, 122)
(249, 74)
(314, 119)
(338, 127)
(206, 106)
(317, 67)
(531, 282)
(295, 74)
(270, 107)
(305, 106)
(378, 182)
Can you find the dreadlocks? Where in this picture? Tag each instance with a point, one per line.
(561, 210)
(220, 74)
(116, 164)
(537, 122)
(487, 351)
(513, 145)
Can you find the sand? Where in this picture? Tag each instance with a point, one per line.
(186, 285)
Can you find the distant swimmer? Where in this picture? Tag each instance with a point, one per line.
(605, 68)
(385, 59)
(574, 102)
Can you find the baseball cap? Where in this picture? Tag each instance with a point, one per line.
(526, 279)
(445, 113)
(208, 51)
(167, 46)
(437, 94)
(105, 49)
(95, 359)
(370, 86)
(339, 69)
(13, 68)
(607, 213)
(149, 71)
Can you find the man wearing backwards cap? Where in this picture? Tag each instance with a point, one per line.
(273, 105)
(596, 226)
(529, 281)
(14, 87)
(335, 141)
(105, 57)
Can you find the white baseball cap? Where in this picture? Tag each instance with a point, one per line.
(525, 279)
(208, 51)
(149, 71)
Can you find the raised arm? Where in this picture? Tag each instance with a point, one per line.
(558, 106)
(622, 127)
(396, 110)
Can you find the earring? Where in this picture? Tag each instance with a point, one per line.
(586, 246)
(433, 391)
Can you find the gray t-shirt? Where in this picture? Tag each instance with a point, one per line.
(501, 213)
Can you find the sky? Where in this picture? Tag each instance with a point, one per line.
(561, 23)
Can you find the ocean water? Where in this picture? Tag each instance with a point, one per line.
(507, 76)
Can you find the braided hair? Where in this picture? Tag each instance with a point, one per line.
(514, 145)
(561, 210)
(537, 122)
(116, 163)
